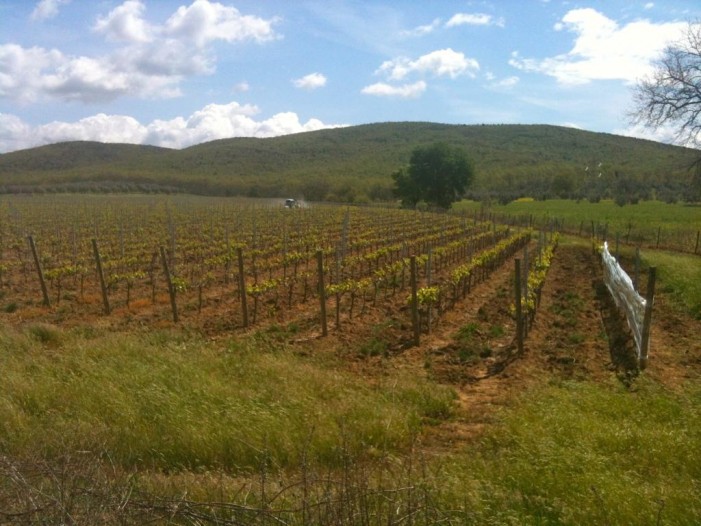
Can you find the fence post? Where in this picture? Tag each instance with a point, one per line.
(322, 291)
(101, 276)
(696, 248)
(242, 286)
(659, 229)
(40, 272)
(647, 319)
(519, 317)
(526, 267)
(414, 302)
(169, 282)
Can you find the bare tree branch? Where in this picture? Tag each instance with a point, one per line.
(672, 94)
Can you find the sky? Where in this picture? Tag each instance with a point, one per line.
(175, 73)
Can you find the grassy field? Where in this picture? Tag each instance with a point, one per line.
(185, 416)
(172, 426)
(676, 224)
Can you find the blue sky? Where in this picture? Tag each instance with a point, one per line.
(177, 73)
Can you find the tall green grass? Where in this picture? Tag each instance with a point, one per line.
(168, 401)
(679, 276)
(673, 225)
(249, 425)
(580, 453)
(646, 214)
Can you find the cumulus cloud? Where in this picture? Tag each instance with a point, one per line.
(310, 82)
(23, 71)
(443, 62)
(405, 91)
(214, 121)
(603, 49)
(32, 74)
(204, 21)
(125, 23)
(666, 134)
(473, 19)
(151, 60)
(47, 9)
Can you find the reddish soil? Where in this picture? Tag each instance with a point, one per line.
(576, 334)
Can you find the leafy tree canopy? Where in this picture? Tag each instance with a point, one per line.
(438, 174)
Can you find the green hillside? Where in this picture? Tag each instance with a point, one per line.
(355, 163)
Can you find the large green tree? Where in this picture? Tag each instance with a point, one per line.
(438, 174)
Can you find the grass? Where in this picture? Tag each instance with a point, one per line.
(680, 276)
(580, 453)
(678, 224)
(168, 401)
(251, 428)
(160, 426)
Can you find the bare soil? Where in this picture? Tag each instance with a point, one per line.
(577, 334)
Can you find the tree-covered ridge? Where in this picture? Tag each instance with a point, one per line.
(355, 163)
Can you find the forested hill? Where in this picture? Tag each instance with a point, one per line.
(355, 163)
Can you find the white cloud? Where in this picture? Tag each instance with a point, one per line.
(47, 9)
(241, 87)
(473, 19)
(125, 23)
(602, 49)
(310, 82)
(406, 91)
(152, 61)
(214, 121)
(423, 30)
(32, 74)
(443, 62)
(506, 83)
(204, 21)
(24, 71)
(649, 5)
(667, 134)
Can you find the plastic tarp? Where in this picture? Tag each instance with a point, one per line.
(624, 294)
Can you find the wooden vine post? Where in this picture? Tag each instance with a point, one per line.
(647, 318)
(414, 302)
(169, 281)
(242, 287)
(40, 272)
(101, 276)
(322, 291)
(519, 315)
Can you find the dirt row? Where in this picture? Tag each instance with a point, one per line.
(577, 334)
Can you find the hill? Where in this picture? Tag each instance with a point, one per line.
(355, 163)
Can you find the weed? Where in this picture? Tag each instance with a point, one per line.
(375, 346)
(575, 338)
(496, 331)
(45, 333)
(467, 332)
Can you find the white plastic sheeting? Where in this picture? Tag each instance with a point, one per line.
(621, 288)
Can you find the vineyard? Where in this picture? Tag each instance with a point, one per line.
(225, 266)
(186, 360)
